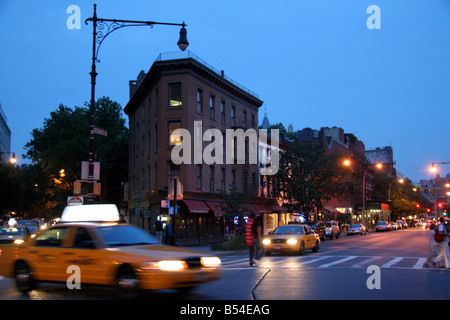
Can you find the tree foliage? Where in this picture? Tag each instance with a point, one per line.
(307, 177)
(62, 143)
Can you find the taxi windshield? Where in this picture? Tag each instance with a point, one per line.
(126, 235)
(289, 230)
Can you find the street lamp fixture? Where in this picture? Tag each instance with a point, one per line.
(101, 29)
(11, 160)
(433, 168)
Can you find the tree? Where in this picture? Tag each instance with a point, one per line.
(63, 142)
(307, 177)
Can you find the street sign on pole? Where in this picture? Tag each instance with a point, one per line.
(101, 131)
(74, 201)
(85, 170)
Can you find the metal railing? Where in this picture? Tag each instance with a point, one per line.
(176, 55)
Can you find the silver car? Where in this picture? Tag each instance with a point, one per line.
(357, 229)
(381, 226)
(332, 230)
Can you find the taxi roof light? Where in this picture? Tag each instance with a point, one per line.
(91, 213)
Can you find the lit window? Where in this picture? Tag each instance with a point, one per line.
(175, 95)
(174, 138)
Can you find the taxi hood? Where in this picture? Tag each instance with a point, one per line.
(161, 252)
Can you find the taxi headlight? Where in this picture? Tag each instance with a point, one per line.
(210, 262)
(266, 241)
(166, 265)
(292, 241)
(18, 241)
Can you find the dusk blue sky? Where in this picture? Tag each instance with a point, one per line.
(314, 63)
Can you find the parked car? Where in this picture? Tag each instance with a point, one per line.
(318, 227)
(382, 226)
(332, 230)
(402, 224)
(395, 226)
(357, 229)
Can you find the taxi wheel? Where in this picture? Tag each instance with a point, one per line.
(23, 276)
(127, 285)
(316, 247)
(302, 249)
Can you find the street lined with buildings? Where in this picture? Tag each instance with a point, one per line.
(340, 270)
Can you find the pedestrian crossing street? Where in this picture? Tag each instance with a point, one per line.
(325, 261)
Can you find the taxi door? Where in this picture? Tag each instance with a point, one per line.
(309, 237)
(84, 254)
(45, 255)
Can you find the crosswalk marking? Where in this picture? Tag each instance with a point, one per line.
(326, 261)
(392, 262)
(366, 262)
(337, 262)
(419, 263)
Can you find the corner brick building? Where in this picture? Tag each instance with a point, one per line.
(176, 92)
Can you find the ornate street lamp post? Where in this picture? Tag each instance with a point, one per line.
(101, 29)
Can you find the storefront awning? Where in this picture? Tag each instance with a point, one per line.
(215, 207)
(331, 209)
(261, 208)
(196, 206)
(279, 209)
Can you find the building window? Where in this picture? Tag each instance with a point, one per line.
(222, 111)
(175, 95)
(174, 138)
(233, 116)
(223, 179)
(211, 178)
(244, 120)
(174, 169)
(199, 177)
(200, 101)
(212, 108)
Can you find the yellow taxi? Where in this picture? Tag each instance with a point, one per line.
(89, 242)
(294, 238)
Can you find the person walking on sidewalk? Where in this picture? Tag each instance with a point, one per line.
(443, 258)
(433, 245)
(249, 238)
(257, 238)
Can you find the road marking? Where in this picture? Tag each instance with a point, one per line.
(419, 264)
(234, 261)
(281, 262)
(366, 262)
(337, 262)
(392, 262)
(317, 259)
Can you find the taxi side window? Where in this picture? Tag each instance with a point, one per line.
(83, 239)
(52, 237)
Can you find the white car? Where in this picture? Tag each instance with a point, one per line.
(357, 229)
(381, 226)
(332, 230)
